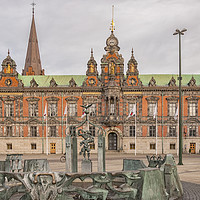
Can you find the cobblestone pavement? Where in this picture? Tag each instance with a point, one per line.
(191, 191)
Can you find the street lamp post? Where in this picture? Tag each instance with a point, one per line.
(179, 33)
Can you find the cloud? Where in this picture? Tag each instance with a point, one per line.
(67, 30)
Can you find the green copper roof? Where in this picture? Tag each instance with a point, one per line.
(44, 81)
(164, 79)
(63, 80)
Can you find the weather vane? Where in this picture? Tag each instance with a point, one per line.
(112, 28)
(33, 4)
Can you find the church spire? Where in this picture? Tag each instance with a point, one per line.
(32, 62)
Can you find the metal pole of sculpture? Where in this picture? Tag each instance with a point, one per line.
(85, 150)
(68, 154)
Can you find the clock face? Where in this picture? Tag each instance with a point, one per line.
(132, 81)
(91, 81)
(112, 42)
(8, 82)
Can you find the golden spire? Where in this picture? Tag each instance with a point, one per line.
(112, 28)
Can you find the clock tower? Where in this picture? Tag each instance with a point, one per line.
(112, 63)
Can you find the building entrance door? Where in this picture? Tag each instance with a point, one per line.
(52, 148)
(112, 141)
(193, 147)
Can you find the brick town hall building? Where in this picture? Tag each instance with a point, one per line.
(113, 94)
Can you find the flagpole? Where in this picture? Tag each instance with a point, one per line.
(66, 119)
(46, 137)
(135, 128)
(156, 136)
(177, 135)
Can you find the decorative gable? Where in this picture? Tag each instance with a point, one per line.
(33, 83)
(172, 82)
(192, 82)
(152, 82)
(72, 83)
(53, 83)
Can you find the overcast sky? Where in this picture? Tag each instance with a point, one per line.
(68, 29)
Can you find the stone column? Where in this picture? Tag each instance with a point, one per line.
(68, 154)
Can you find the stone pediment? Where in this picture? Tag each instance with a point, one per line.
(8, 120)
(33, 120)
(171, 120)
(52, 99)
(192, 120)
(152, 98)
(31, 99)
(52, 120)
(72, 99)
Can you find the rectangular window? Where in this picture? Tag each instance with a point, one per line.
(112, 107)
(192, 109)
(152, 146)
(132, 145)
(99, 108)
(33, 109)
(72, 109)
(172, 146)
(92, 146)
(132, 131)
(52, 131)
(92, 110)
(92, 130)
(33, 146)
(72, 130)
(172, 109)
(9, 110)
(33, 130)
(9, 146)
(9, 131)
(172, 131)
(52, 109)
(152, 131)
(151, 108)
(192, 131)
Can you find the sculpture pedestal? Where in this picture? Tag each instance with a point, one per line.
(86, 166)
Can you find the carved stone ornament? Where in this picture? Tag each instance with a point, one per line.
(84, 84)
(33, 83)
(92, 66)
(172, 82)
(140, 83)
(53, 83)
(92, 81)
(132, 66)
(72, 83)
(152, 82)
(192, 82)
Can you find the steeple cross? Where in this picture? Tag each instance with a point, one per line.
(33, 4)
